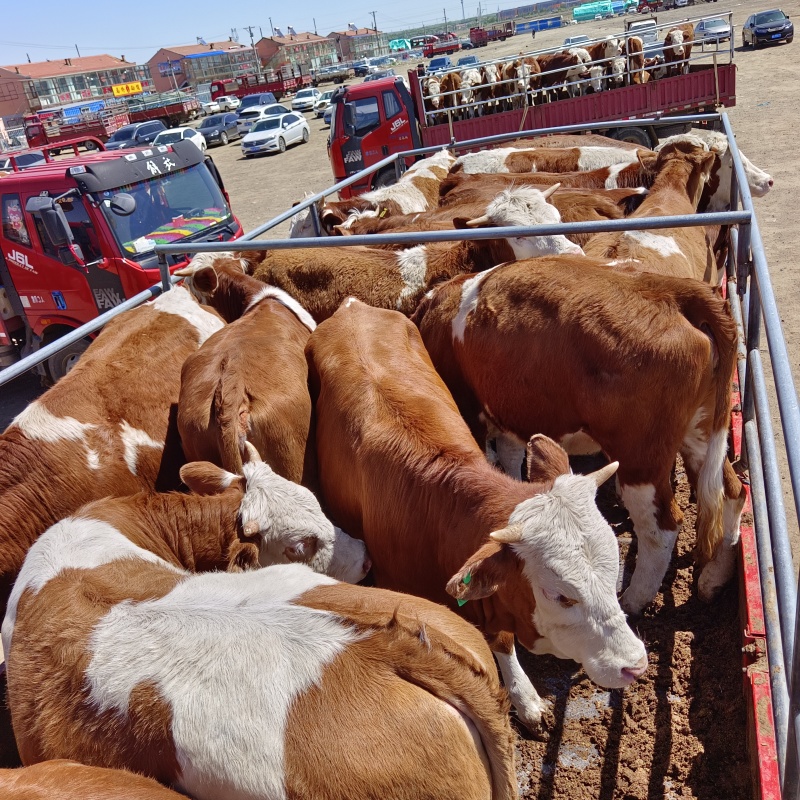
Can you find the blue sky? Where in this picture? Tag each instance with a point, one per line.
(50, 29)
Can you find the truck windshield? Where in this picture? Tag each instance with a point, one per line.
(181, 205)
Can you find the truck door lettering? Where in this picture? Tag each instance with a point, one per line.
(106, 298)
(353, 155)
(397, 124)
(21, 260)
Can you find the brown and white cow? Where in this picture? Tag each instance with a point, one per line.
(273, 683)
(484, 92)
(68, 780)
(417, 190)
(556, 67)
(542, 159)
(682, 171)
(400, 467)
(634, 364)
(678, 48)
(249, 381)
(633, 51)
(101, 429)
(450, 93)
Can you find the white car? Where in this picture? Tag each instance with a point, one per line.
(273, 134)
(211, 107)
(304, 100)
(323, 102)
(253, 114)
(228, 102)
(173, 135)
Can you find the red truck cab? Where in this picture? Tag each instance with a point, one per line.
(78, 234)
(369, 122)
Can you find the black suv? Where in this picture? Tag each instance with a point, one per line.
(137, 134)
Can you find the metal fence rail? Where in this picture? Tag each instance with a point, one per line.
(754, 308)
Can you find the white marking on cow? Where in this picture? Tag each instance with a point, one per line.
(73, 543)
(596, 78)
(485, 160)
(583, 567)
(350, 301)
(286, 300)
(263, 646)
(654, 546)
(521, 691)
(579, 444)
(413, 266)
(93, 459)
(180, 302)
(613, 174)
(720, 569)
(355, 214)
(663, 245)
(598, 157)
(132, 440)
(618, 262)
(469, 302)
(201, 260)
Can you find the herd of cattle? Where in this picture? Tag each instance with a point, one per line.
(535, 79)
(187, 511)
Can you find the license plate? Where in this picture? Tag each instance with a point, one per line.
(775, 36)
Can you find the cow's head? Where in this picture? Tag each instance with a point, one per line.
(302, 224)
(611, 47)
(568, 553)
(523, 206)
(674, 43)
(696, 155)
(596, 77)
(282, 519)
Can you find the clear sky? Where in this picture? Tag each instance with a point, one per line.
(50, 29)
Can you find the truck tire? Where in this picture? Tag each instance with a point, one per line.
(88, 146)
(384, 179)
(62, 362)
(635, 135)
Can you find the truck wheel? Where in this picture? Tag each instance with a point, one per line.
(223, 138)
(386, 178)
(634, 135)
(61, 363)
(90, 145)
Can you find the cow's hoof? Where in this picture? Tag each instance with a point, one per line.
(530, 712)
(714, 577)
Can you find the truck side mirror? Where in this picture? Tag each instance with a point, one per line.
(53, 219)
(349, 119)
(122, 204)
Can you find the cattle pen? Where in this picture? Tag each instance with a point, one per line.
(770, 665)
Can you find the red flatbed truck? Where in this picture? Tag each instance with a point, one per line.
(41, 130)
(78, 234)
(444, 47)
(279, 83)
(480, 37)
(368, 125)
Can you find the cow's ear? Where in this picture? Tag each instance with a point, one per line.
(202, 477)
(205, 280)
(338, 230)
(484, 572)
(460, 223)
(647, 160)
(545, 460)
(301, 550)
(330, 217)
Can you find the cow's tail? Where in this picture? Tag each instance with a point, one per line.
(426, 657)
(227, 410)
(709, 313)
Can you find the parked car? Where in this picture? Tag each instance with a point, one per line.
(466, 44)
(766, 27)
(173, 135)
(384, 61)
(323, 102)
(260, 99)
(361, 67)
(712, 30)
(23, 161)
(228, 102)
(304, 100)
(210, 107)
(219, 128)
(137, 134)
(381, 73)
(439, 64)
(576, 41)
(250, 116)
(468, 61)
(273, 134)
(326, 117)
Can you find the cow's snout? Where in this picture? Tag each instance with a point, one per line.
(630, 674)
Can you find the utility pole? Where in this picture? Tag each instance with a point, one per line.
(375, 28)
(249, 29)
(480, 16)
(463, 17)
(79, 52)
(445, 21)
(315, 26)
(270, 25)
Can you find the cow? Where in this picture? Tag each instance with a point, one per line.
(431, 90)
(102, 428)
(271, 683)
(470, 80)
(544, 159)
(400, 468)
(681, 170)
(597, 79)
(678, 48)
(249, 380)
(578, 74)
(484, 92)
(417, 190)
(61, 779)
(450, 93)
(603, 51)
(555, 67)
(616, 72)
(717, 191)
(635, 364)
(654, 69)
(633, 52)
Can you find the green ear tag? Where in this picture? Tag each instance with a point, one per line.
(466, 581)
(462, 602)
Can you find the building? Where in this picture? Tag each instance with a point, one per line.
(360, 43)
(299, 49)
(13, 100)
(48, 84)
(191, 65)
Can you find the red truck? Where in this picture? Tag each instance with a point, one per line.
(480, 37)
(78, 234)
(46, 128)
(172, 108)
(279, 83)
(367, 125)
(443, 47)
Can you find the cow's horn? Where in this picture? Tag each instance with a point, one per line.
(185, 272)
(478, 222)
(250, 528)
(252, 452)
(550, 190)
(509, 535)
(604, 473)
